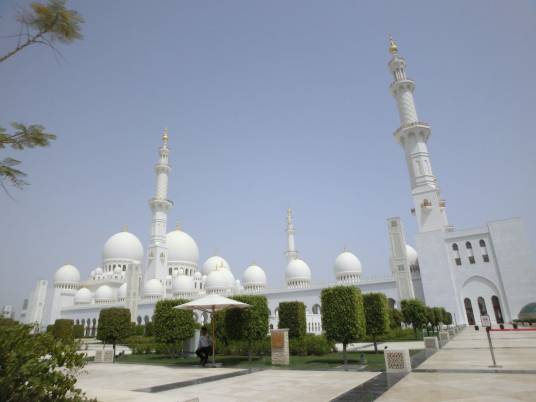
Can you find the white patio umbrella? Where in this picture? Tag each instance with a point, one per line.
(212, 304)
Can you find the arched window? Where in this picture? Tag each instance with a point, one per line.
(469, 311)
(456, 252)
(391, 303)
(316, 309)
(139, 320)
(271, 326)
(276, 311)
(146, 319)
(484, 250)
(470, 254)
(170, 271)
(482, 306)
(77, 322)
(497, 309)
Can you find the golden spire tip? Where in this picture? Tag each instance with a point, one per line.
(393, 48)
(165, 136)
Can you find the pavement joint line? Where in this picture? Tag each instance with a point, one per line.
(485, 371)
(197, 381)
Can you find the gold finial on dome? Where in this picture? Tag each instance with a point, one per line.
(165, 136)
(177, 226)
(125, 228)
(393, 48)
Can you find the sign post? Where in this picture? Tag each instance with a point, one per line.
(486, 322)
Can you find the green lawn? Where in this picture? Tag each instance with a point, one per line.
(375, 362)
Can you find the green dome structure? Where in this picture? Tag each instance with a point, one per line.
(528, 312)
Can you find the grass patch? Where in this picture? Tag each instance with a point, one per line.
(375, 361)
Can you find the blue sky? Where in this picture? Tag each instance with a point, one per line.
(269, 105)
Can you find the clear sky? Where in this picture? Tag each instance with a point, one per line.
(270, 105)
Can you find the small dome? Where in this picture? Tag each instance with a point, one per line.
(298, 270)
(346, 263)
(98, 271)
(198, 275)
(217, 280)
(183, 284)
(528, 312)
(411, 254)
(254, 275)
(153, 288)
(82, 296)
(67, 274)
(214, 262)
(181, 247)
(92, 273)
(123, 246)
(230, 278)
(122, 292)
(104, 294)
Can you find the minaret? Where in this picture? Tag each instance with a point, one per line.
(412, 135)
(292, 254)
(160, 205)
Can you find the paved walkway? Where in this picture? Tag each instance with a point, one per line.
(122, 382)
(369, 346)
(461, 372)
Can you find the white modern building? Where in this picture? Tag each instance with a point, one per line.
(470, 272)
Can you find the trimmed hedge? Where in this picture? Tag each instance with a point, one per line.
(63, 329)
(78, 331)
(310, 344)
(172, 326)
(376, 315)
(292, 316)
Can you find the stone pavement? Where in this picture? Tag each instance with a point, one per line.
(461, 372)
(122, 382)
(369, 346)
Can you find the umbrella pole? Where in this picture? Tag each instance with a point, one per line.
(213, 337)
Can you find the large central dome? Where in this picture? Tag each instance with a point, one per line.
(123, 246)
(181, 247)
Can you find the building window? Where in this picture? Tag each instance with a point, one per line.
(456, 252)
(482, 306)
(469, 311)
(497, 309)
(316, 309)
(170, 271)
(484, 250)
(470, 254)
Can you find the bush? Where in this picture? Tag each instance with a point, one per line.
(78, 331)
(376, 315)
(395, 318)
(343, 316)
(309, 345)
(142, 344)
(114, 325)
(36, 367)
(172, 326)
(63, 329)
(250, 324)
(137, 330)
(292, 316)
(415, 313)
(149, 329)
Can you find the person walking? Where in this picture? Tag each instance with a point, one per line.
(203, 349)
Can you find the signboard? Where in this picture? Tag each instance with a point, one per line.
(486, 322)
(278, 340)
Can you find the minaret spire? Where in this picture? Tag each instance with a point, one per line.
(292, 254)
(160, 205)
(413, 135)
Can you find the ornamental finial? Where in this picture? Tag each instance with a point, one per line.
(393, 48)
(165, 136)
(125, 228)
(178, 226)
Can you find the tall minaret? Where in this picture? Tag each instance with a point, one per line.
(292, 254)
(160, 205)
(412, 135)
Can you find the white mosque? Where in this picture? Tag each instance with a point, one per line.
(471, 272)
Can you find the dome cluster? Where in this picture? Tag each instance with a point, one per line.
(184, 280)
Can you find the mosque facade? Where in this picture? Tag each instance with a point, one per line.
(487, 270)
